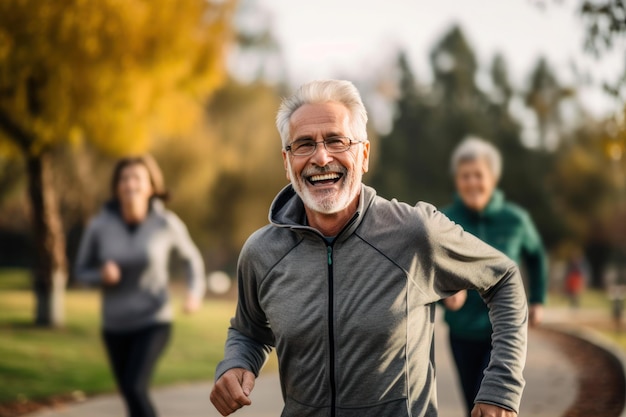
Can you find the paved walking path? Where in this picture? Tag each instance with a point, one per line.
(551, 388)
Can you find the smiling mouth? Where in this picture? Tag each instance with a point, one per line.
(324, 179)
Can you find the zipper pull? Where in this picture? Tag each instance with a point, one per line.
(330, 255)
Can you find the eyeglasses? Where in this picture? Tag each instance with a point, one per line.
(334, 144)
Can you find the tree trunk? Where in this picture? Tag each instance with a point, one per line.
(50, 275)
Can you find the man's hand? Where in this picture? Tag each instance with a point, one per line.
(456, 301)
(535, 314)
(489, 410)
(110, 273)
(232, 390)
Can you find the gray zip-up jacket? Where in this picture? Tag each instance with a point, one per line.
(353, 320)
(141, 298)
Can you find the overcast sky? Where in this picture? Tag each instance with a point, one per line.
(331, 38)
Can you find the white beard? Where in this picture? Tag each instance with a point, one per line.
(328, 201)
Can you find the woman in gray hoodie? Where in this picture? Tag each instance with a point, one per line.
(125, 250)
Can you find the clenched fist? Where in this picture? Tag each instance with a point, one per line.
(232, 390)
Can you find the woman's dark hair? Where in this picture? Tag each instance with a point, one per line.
(154, 172)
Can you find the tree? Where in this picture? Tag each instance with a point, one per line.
(399, 147)
(429, 121)
(606, 23)
(544, 97)
(525, 168)
(586, 192)
(236, 183)
(249, 165)
(585, 174)
(111, 73)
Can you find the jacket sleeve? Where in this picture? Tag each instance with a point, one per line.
(188, 251)
(250, 339)
(242, 352)
(459, 260)
(536, 262)
(86, 265)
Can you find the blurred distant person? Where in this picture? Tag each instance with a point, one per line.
(576, 277)
(343, 283)
(125, 250)
(481, 209)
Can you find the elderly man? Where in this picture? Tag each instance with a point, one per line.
(344, 283)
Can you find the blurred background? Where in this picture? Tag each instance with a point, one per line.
(82, 84)
(198, 83)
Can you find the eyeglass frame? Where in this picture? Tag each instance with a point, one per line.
(351, 141)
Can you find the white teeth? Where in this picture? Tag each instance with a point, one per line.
(324, 177)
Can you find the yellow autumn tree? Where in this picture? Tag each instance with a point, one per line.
(114, 73)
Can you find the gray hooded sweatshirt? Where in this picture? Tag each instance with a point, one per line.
(141, 298)
(352, 320)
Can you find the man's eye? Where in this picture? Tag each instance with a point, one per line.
(334, 142)
(304, 145)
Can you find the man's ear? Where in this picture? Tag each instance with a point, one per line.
(286, 164)
(366, 156)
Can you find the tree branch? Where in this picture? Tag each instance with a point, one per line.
(15, 132)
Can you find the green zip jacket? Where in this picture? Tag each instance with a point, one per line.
(352, 320)
(508, 228)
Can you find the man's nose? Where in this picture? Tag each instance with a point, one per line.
(321, 156)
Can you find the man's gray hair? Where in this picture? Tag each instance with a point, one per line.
(473, 148)
(324, 91)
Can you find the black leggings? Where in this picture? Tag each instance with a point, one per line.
(471, 358)
(133, 356)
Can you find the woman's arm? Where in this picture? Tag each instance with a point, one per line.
(194, 265)
(536, 262)
(86, 267)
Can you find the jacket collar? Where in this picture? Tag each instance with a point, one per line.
(287, 210)
(493, 206)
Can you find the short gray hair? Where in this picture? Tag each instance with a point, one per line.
(473, 148)
(324, 91)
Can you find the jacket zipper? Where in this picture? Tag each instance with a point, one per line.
(331, 321)
(331, 331)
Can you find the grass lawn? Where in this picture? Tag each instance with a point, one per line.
(590, 299)
(37, 363)
(595, 300)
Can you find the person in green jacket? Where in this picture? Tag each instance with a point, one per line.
(481, 209)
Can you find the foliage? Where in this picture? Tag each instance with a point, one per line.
(606, 23)
(581, 186)
(189, 167)
(249, 162)
(110, 71)
(589, 191)
(224, 171)
(544, 97)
